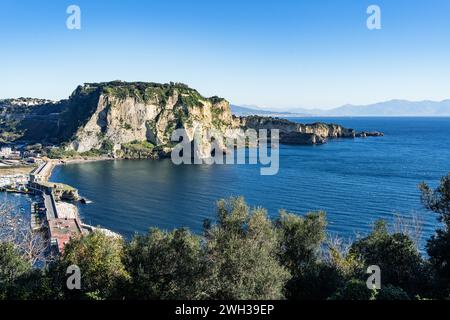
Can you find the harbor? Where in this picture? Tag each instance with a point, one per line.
(55, 214)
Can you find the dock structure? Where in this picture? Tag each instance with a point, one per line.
(60, 227)
(41, 173)
(62, 224)
(50, 205)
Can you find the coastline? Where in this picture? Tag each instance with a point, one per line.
(83, 160)
(61, 215)
(72, 205)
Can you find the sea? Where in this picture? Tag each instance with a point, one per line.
(354, 181)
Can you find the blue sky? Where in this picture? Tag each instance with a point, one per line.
(279, 54)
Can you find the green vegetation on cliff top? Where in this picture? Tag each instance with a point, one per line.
(146, 91)
(55, 123)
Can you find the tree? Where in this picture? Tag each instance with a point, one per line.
(34, 285)
(397, 256)
(438, 246)
(166, 265)
(390, 293)
(357, 290)
(242, 254)
(438, 200)
(99, 258)
(354, 290)
(300, 253)
(301, 239)
(12, 267)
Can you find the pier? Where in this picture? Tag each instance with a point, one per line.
(61, 226)
(53, 215)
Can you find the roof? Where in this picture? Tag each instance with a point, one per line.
(62, 230)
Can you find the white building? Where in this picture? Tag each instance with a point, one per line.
(5, 152)
(14, 180)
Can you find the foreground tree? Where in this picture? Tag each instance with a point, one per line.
(397, 256)
(438, 247)
(354, 290)
(390, 293)
(99, 258)
(300, 252)
(12, 267)
(166, 265)
(242, 254)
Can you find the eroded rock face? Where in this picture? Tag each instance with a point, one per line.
(137, 120)
(301, 138)
(118, 121)
(297, 133)
(128, 113)
(365, 134)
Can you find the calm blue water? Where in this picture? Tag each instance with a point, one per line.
(355, 181)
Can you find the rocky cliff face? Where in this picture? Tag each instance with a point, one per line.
(137, 120)
(297, 133)
(123, 119)
(125, 113)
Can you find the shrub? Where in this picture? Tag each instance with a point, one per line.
(99, 258)
(12, 267)
(166, 265)
(438, 247)
(390, 292)
(397, 256)
(300, 246)
(354, 290)
(242, 251)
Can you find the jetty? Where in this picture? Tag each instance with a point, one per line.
(54, 214)
(61, 226)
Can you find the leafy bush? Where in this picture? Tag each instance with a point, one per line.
(61, 153)
(99, 257)
(390, 292)
(12, 267)
(300, 246)
(354, 290)
(438, 247)
(165, 265)
(242, 250)
(107, 146)
(396, 255)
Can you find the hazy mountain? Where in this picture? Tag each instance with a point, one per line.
(390, 108)
(256, 111)
(394, 108)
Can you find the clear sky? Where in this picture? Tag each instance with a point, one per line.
(279, 54)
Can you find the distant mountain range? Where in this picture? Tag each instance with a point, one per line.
(392, 108)
(254, 110)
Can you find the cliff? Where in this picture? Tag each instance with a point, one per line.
(137, 119)
(127, 119)
(297, 133)
(124, 115)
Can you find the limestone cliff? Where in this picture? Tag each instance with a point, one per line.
(297, 133)
(137, 119)
(125, 113)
